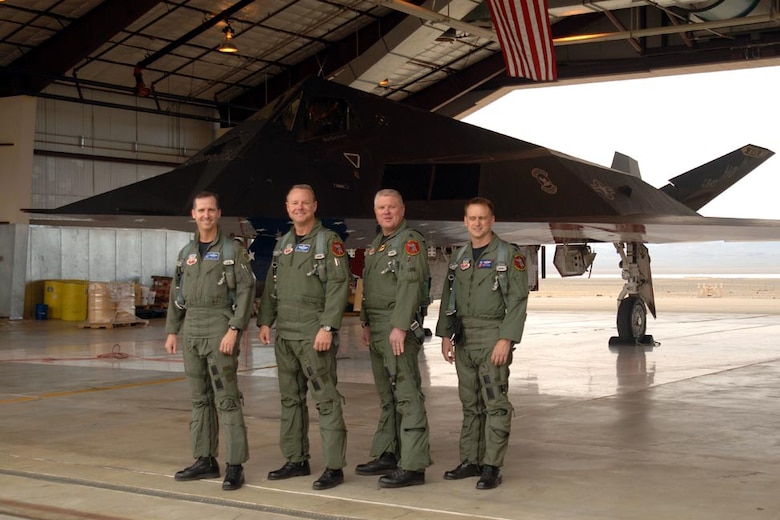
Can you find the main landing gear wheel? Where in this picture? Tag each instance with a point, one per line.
(632, 320)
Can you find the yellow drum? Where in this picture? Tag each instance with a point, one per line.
(52, 297)
(74, 300)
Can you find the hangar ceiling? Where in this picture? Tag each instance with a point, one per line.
(439, 55)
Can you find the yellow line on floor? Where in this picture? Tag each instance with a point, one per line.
(89, 390)
(49, 395)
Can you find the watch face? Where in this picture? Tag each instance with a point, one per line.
(327, 328)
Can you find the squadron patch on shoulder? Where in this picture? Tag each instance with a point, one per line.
(338, 248)
(519, 262)
(192, 259)
(412, 247)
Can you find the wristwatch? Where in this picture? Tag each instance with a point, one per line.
(327, 328)
(233, 327)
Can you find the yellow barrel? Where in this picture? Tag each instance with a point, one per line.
(74, 300)
(52, 297)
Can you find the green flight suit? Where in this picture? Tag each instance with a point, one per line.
(308, 294)
(487, 317)
(395, 285)
(206, 286)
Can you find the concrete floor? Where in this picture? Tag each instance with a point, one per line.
(93, 424)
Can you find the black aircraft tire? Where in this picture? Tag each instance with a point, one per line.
(631, 319)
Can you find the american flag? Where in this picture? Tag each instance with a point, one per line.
(523, 29)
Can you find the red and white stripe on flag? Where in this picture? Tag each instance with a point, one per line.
(523, 29)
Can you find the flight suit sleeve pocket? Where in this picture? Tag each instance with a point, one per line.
(244, 275)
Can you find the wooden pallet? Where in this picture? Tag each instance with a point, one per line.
(112, 324)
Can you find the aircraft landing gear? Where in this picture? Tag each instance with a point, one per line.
(636, 296)
(631, 320)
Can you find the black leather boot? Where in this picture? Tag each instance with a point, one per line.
(402, 478)
(464, 470)
(291, 469)
(204, 467)
(330, 478)
(491, 477)
(384, 465)
(234, 477)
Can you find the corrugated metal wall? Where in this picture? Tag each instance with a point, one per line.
(98, 148)
(102, 255)
(83, 150)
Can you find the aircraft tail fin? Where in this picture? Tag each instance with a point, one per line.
(699, 186)
(623, 163)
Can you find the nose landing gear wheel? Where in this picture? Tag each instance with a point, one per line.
(631, 320)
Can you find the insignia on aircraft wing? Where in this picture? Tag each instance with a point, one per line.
(519, 262)
(544, 181)
(338, 248)
(412, 247)
(602, 189)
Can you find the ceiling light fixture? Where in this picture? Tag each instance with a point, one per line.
(385, 82)
(227, 44)
(448, 36)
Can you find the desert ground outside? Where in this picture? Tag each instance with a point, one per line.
(678, 294)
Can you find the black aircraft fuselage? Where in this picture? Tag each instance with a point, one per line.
(349, 144)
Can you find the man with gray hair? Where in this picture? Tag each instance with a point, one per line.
(395, 288)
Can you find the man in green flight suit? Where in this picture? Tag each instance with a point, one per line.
(211, 302)
(306, 293)
(396, 281)
(485, 301)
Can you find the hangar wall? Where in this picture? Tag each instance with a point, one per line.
(81, 150)
(16, 148)
(102, 254)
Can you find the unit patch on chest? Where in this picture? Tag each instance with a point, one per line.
(485, 264)
(192, 259)
(213, 255)
(302, 248)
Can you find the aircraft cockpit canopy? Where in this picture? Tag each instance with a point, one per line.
(327, 116)
(317, 116)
